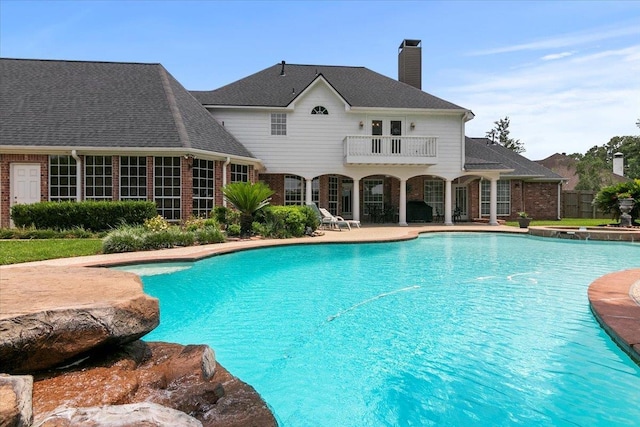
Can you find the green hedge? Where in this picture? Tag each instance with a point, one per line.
(94, 216)
(285, 221)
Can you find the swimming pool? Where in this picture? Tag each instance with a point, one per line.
(447, 329)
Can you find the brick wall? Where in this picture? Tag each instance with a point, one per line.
(541, 199)
(538, 199)
(276, 183)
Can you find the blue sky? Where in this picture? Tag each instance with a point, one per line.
(567, 73)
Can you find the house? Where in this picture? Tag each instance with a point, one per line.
(77, 130)
(566, 167)
(359, 143)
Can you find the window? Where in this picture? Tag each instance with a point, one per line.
(434, 195)
(278, 124)
(239, 173)
(293, 190)
(319, 110)
(504, 197)
(98, 178)
(62, 178)
(203, 187)
(133, 178)
(166, 184)
(333, 195)
(373, 196)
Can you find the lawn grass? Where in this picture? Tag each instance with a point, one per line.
(568, 222)
(17, 251)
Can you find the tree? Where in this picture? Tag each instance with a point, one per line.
(629, 146)
(592, 172)
(501, 133)
(247, 198)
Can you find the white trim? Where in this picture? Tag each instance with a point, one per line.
(319, 78)
(46, 150)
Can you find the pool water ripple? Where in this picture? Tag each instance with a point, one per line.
(449, 329)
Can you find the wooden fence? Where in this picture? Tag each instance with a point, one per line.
(577, 204)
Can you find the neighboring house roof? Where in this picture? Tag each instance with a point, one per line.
(358, 86)
(482, 154)
(51, 103)
(565, 166)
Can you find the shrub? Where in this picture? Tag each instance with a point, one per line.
(607, 198)
(208, 235)
(89, 215)
(124, 239)
(287, 221)
(233, 229)
(194, 223)
(157, 223)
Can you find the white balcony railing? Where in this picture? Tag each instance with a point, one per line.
(401, 150)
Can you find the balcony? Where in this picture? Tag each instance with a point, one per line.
(391, 150)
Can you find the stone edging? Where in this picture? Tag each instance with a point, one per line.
(614, 302)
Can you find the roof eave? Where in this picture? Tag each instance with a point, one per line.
(177, 151)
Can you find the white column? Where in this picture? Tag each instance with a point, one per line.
(402, 213)
(493, 202)
(307, 197)
(356, 199)
(447, 202)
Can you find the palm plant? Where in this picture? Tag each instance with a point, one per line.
(247, 198)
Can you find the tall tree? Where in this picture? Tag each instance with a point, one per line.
(595, 167)
(629, 146)
(500, 134)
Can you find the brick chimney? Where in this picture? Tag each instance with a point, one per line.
(618, 164)
(410, 63)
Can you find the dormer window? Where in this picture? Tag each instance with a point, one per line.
(319, 110)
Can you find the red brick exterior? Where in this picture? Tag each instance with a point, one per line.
(538, 199)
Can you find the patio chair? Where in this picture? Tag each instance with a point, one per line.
(337, 221)
(324, 220)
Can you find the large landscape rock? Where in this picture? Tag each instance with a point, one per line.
(134, 414)
(184, 378)
(76, 331)
(49, 315)
(15, 400)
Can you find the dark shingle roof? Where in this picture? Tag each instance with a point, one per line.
(358, 86)
(481, 152)
(106, 105)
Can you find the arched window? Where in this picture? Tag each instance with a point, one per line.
(319, 110)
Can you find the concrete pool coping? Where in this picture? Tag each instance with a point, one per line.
(614, 298)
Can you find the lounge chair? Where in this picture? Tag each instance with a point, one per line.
(337, 221)
(323, 220)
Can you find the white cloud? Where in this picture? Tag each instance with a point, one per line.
(559, 106)
(555, 56)
(565, 40)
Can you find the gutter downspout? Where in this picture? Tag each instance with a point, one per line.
(74, 154)
(559, 199)
(224, 178)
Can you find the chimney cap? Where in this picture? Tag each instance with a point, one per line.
(618, 154)
(410, 43)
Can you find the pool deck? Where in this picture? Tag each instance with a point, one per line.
(614, 298)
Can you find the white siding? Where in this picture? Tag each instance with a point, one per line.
(313, 145)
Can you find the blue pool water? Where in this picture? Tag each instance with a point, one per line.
(445, 330)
